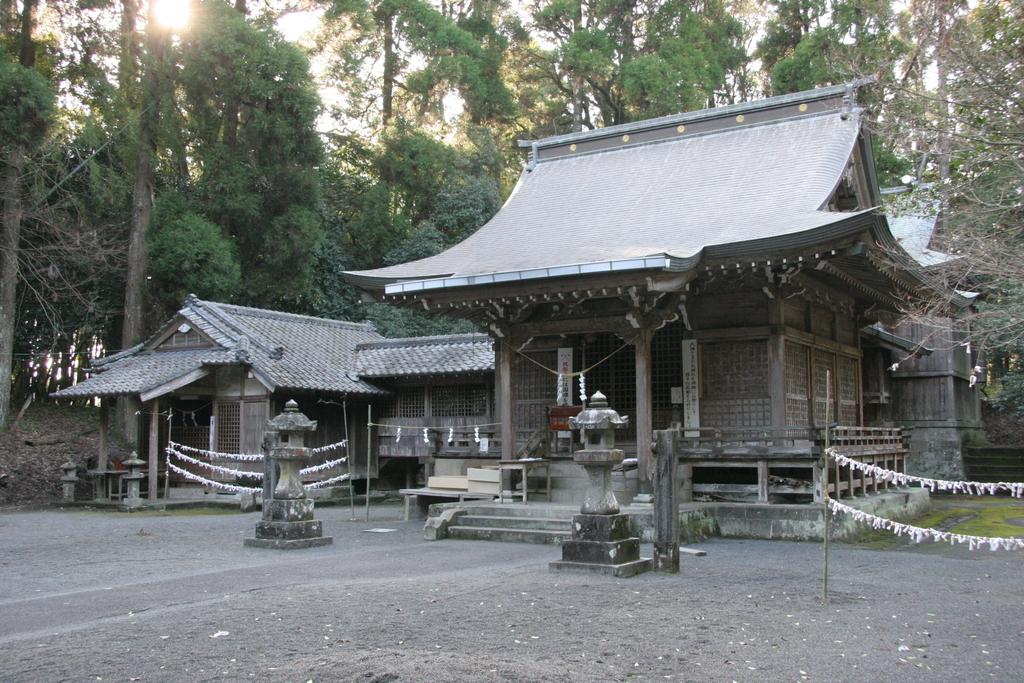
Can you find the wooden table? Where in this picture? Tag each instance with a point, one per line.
(107, 484)
(426, 492)
(523, 466)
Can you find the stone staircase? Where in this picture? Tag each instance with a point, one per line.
(994, 463)
(525, 524)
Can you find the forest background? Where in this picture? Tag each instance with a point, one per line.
(150, 150)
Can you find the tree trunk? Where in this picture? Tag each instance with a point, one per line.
(9, 274)
(11, 238)
(142, 207)
(128, 64)
(577, 79)
(390, 70)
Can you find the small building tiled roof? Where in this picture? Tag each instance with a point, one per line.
(139, 371)
(285, 351)
(418, 356)
(658, 192)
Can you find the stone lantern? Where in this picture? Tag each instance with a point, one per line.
(69, 480)
(601, 540)
(134, 478)
(288, 522)
(597, 425)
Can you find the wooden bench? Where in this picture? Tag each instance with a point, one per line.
(451, 494)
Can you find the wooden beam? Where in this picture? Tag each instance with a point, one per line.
(666, 504)
(506, 408)
(644, 419)
(777, 378)
(104, 454)
(154, 447)
(173, 384)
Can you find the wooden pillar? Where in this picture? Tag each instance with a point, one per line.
(666, 503)
(643, 418)
(762, 481)
(777, 379)
(154, 447)
(686, 485)
(506, 407)
(104, 455)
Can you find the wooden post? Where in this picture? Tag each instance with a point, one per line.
(686, 485)
(104, 454)
(777, 380)
(154, 447)
(643, 417)
(506, 407)
(762, 481)
(666, 503)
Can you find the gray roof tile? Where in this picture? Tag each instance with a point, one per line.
(674, 197)
(289, 351)
(447, 355)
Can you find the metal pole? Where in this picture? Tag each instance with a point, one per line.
(348, 457)
(824, 479)
(369, 448)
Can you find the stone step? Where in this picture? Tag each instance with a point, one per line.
(543, 512)
(479, 533)
(526, 523)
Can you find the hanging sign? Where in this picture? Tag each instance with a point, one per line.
(691, 387)
(564, 397)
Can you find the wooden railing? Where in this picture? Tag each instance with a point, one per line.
(798, 451)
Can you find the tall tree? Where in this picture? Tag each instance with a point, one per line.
(25, 107)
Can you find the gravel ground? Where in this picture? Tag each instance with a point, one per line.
(88, 596)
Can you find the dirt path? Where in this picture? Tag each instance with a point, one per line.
(177, 598)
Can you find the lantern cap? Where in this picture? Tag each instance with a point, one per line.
(598, 415)
(291, 420)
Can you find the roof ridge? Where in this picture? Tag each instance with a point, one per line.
(236, 309)
(433, 340)
(701, 114)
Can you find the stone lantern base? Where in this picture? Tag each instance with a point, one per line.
(289, 526)
(601, 544)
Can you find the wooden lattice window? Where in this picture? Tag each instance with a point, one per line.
(797, 406)
(615, 377)
(405, 402)
(228, 427)
(735, 368)
(184, 337)
(824, 363)
(849, 396)
(734, 378)
(666, 371)
(533, 388)
(458, 400)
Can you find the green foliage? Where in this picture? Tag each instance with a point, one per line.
(627, 61)
(26, 104)
(251, 107)
(189, 254)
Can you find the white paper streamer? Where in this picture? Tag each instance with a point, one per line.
(451, 435)
(971, 488)
(214, 454)
(209, 482)
(398, 434)
(322, 466)
(426, 439)
(583, 388)
(325, 482)
(210, 466)
(919, 534)
(330, 447)
(476, 434)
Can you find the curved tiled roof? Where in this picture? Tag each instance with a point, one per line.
(286, 351)
(745, 181)
(418, 356)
